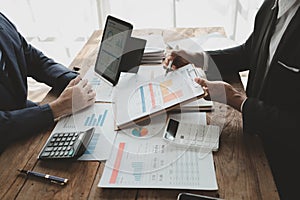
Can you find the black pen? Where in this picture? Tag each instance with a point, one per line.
(52, 179)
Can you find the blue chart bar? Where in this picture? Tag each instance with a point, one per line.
(92, 144)
(103, 118)
(94, 121)
(137, 170)
(87, 121)
(143, 99)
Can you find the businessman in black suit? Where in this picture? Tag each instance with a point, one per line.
(271, 106)
(20, 117)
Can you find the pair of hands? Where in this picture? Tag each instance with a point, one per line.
(79, 94)
(76, 96)
(218, 91)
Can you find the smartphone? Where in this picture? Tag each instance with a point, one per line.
(190, 196)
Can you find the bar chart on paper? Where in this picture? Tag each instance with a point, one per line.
(95, 120)
(91, 117)
(152, 163)
(98, 116)
(140, 99)
(158, 93)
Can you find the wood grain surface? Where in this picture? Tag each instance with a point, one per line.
(241, 167)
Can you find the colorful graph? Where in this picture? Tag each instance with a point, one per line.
(117, 164)
(167, 94)
(95, 121)
(158, 94)
(143, 99)
(140, 132)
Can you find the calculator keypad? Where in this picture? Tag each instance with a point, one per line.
(61, 145)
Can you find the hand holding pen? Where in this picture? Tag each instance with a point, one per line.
(174, 61)
(169, 67)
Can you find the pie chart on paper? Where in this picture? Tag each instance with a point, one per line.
(140, 131)
(154, 127)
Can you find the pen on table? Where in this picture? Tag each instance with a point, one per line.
(52, 179)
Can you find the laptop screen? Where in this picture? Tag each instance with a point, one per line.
(116, 33)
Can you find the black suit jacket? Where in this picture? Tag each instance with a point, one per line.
(19, 117)
(274, 115)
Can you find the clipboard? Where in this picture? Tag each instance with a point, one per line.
(138, 100)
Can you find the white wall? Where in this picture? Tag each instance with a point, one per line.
(57, 27)
(61, 27)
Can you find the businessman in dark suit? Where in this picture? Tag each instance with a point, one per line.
(271, 106)
(20, 117)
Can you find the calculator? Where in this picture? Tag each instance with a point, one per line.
(64, 145)
(192, 134)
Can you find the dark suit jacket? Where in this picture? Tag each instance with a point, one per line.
(274, 115)
(19, 117)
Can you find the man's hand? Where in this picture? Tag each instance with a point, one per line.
(181, 58)
(222, 92)
(76, 96)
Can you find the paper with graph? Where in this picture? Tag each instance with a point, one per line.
(99, 116)
(138, 98)
(136, 162)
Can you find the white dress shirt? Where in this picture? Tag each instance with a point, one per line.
(286, 11)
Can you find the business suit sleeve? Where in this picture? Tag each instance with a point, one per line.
(24, 122)
(228, 61)
(18, 117)
(34, 63)
(45, 69)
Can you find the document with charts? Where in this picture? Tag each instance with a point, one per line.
(145, 160)
(99, 116)
(139, 98)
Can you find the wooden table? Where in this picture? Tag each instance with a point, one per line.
(241, 167)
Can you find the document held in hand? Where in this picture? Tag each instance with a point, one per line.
(138, 100)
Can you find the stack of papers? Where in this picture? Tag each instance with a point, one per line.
(208, 42)
(153, 55)
(154, 52)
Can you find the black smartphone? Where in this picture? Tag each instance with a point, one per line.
(190, 196)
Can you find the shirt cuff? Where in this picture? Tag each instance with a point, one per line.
(242, 105)
(205, 61)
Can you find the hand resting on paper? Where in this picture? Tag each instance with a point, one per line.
(222, 92)
(76, 96)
